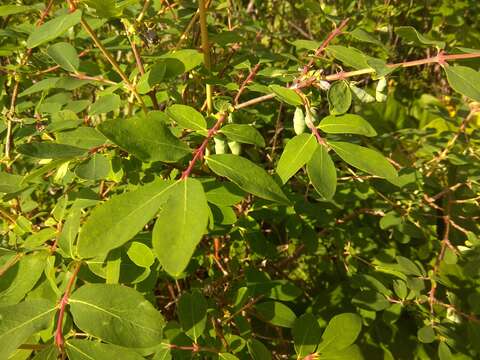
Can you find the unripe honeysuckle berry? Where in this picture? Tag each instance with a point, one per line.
(299, 121)
(361, 94)
(324, 85)
(380, 96)
(235, 147)
(220, 145)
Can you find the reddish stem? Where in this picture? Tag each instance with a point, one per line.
(337, 31)
(246, 82)
(198, 153)
(315, 132)
(344, 75)
(59, 341)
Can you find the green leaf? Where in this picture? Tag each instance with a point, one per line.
(381, 67)
(7, 10)
(364, 159)
(105, 104)
(22, 277)
(364, 36)
(49, 150)
(248, 176)
(95, 168)
(116, 314)
(180, 225)
(151, 78)
(346, 124)
(163, 352)
(117, 220)
(189, 59)
(140, 254)
(258, 351)
(109, 8)
(87, 350)
(243, 133)
(341, 332)
(70, 229)
(187, 117)
(276, 313)
(22, 320)
(370, 300)
(407, 266)
(339, 97)
(322, 173)
(306, 44)
(296, 153)
(283, 290)
(288, 96)
(411, 35)
(64, 55)
(9, 183)
(84, 137)
(48, 353)
(222, 193)
(41, 85)
(444, 352)
(464, 80)
(148, 138)
(227, 356)
(350, 353)
(306, 335)
(38, 238)
(349, 56)
(192, 312)
(426, 334)
(53, 28)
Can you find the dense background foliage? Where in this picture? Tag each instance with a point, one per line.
(227, 179)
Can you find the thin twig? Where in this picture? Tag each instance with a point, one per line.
(445, 243)
(110, 59)
(140, 67)
(59, 341)
(436, 160)
(206, 50)
(198, 153)
(13, 100)
(344, 75)
(245, 82)
(324, 45)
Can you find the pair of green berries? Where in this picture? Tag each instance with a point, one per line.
(222, 145)
(301, 121)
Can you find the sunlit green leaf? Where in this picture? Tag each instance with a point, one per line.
(116, 314)
(464, 80)
(306, 334)
(192, 312)
(346, 124)
(180, 225)
(64, 55)
(322, 173)
(117, 220)
(148, 138)
(364, 159)
(296, 153)
(53, 28)
(248, 176)
(22, 320)
(187, 117)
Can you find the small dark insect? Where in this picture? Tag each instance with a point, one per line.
(151, 37)
(148, 35)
